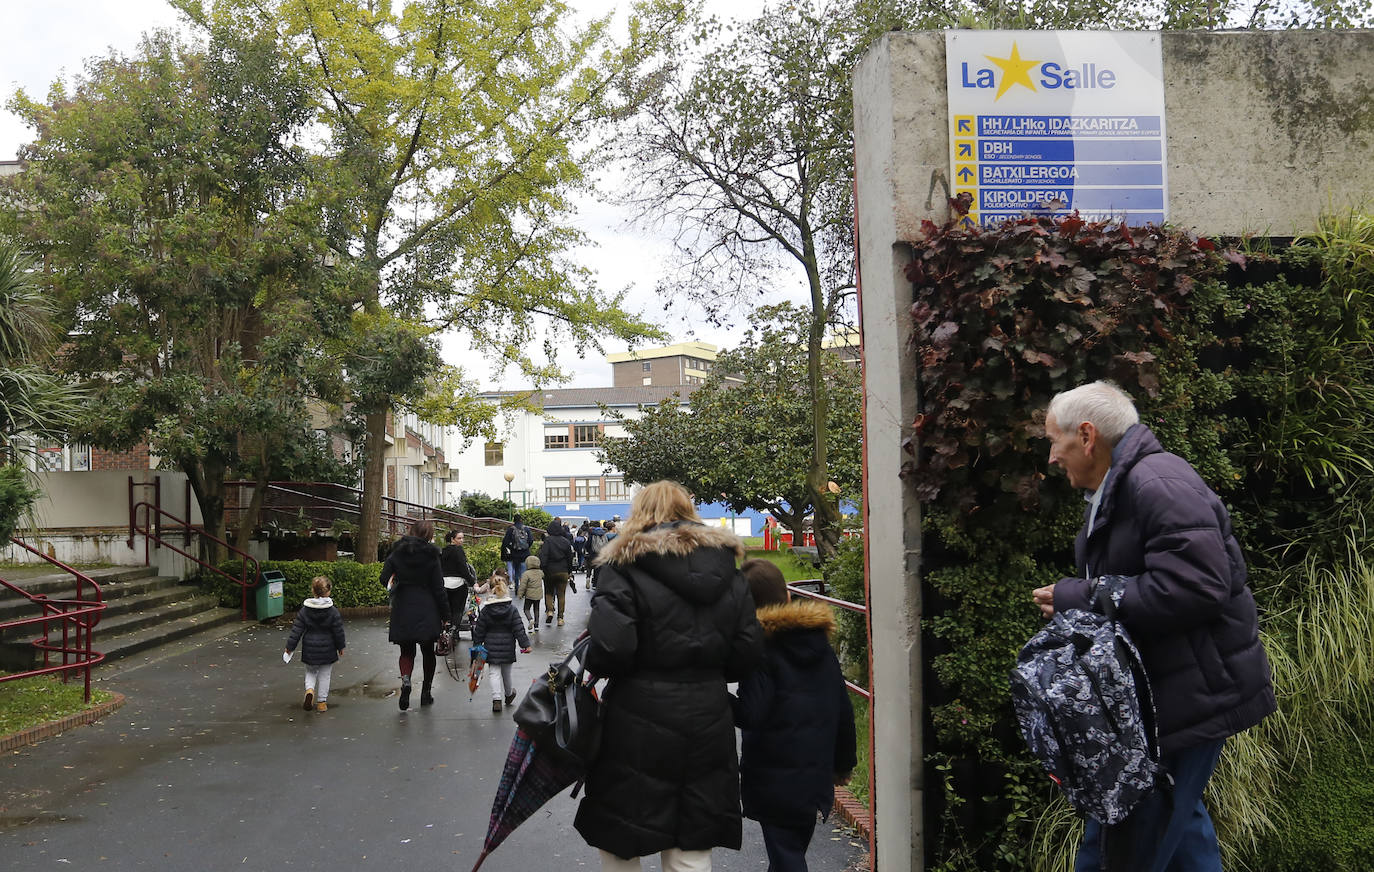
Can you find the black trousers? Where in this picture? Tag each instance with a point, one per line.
(786, 846)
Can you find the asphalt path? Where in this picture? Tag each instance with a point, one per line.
(212, 765)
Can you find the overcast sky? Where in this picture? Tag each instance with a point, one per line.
(41, 42)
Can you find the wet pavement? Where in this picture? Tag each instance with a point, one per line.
(212, 765)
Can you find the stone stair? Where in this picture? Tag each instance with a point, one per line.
(143, 611)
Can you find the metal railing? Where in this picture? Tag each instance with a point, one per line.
(151, 531)
(77, 617)
(316, 505)
(797, 589)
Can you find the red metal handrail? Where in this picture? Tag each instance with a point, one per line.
(797, 590)
(79, 614)
(149, 534)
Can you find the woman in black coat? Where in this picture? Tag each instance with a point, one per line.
(453, 560)
(419, 605)
(671, 623)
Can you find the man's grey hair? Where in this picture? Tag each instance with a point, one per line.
(1102, 404)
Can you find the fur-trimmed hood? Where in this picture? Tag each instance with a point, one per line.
(676, 539)
(799, 614)
(798, 631)
(318, 602)
(693, 560)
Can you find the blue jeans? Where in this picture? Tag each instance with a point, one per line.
(1166, 834)
(514, 569)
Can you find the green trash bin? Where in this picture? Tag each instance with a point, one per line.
(271, 594)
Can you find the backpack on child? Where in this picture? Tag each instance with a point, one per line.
(1084, 705)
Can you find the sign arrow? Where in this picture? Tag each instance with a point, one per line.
(965, 149)
(965, 126)
(965, 174)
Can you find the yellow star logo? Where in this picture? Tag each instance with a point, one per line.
(1014, 71)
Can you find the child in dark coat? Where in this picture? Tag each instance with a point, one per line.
(499, 627)
(319, 630)
(796, 720)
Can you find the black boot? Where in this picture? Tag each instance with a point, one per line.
(405, 693)
(426, 698)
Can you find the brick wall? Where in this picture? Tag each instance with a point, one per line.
(134, 458)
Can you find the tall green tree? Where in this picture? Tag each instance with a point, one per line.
(747, 436)
(164, 193)
(454, 132)
(749, 154)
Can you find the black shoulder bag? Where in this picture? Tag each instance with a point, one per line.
(561, 711)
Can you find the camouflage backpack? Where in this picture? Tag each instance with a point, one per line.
(1084, 704)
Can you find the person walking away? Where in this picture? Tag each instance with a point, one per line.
(531, 593)
(419, 605)
(319, 629)
(1151, 519)
(596, 541)
(795, 719)
(580, 547)
(671, 623)
(453, 560)
(515, 547)
(499, 627)
(555, 555)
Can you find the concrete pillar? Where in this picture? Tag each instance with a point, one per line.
(892, 523)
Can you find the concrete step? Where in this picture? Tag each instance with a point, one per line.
(130, 614)
(60, 584)
(118, 596)
(143, 611)
(125, 644)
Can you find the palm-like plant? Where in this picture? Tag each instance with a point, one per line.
(34, 399)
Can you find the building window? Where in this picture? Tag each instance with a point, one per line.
(585, 435)
(555, 440)
(495, 453)
(589, 490)
(648, 380)
(615, 488)
(558, 492)
(647, 366)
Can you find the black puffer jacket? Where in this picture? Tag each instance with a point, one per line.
(499, 627)
(319, 629)
(796, 719)
(419, 605)
(555, 554)
(671, 623)
(1186, 606)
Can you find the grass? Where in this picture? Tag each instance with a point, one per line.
(28, 702)
(792, 568)
(858, 785)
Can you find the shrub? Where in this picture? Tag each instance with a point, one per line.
(844, 576)
(17, 497)
(1257, 367)
(353, 584)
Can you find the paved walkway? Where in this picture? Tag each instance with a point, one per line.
(212, 765)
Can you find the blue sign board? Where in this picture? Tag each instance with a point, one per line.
(1046, 122)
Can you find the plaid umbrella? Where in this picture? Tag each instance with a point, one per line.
(530, 778)
(478, 656)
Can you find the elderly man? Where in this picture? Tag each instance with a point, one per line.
(1151, 518)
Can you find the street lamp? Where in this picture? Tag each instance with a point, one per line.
(510, 477)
